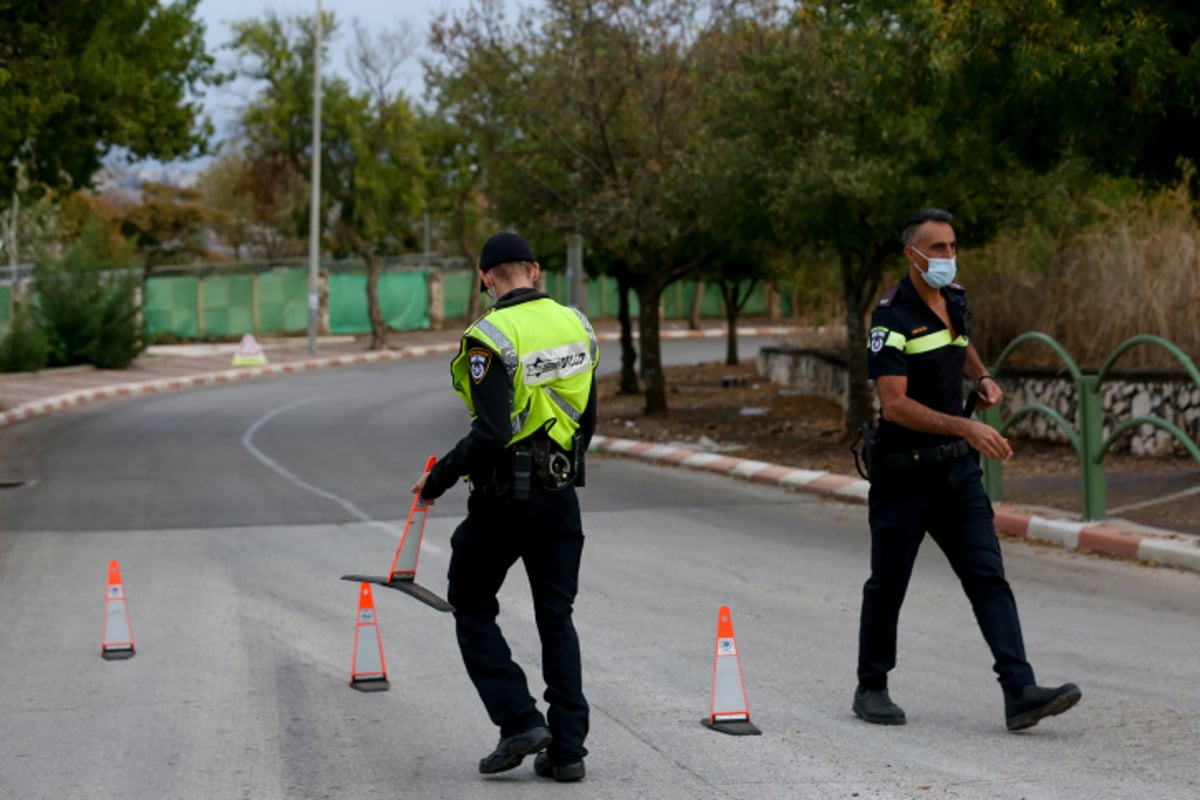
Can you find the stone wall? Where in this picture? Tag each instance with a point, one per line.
(1125, 395)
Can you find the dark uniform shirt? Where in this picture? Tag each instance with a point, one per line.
(483, 452)
(908, 339)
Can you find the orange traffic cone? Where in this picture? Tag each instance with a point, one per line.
(367, 671)
(117, 641)
(730, 709)
(404, 563)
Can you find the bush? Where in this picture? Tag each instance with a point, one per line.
(23, 348)
(86, 304)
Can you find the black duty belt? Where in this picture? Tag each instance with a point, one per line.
(929, 455)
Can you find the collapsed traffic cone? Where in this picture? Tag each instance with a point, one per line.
(404, 563)
(730, 709)
(367, 672)
(117, 641)
(249, 354)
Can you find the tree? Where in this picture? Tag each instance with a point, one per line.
(454, 189)
(233, 207)
(168, 225)
(849, 115)
(372, 167)
(1115, 82)
(79, 78)
(587, 117)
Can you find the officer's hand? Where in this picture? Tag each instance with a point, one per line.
(988, 441)
(419, 485)
(989, 392)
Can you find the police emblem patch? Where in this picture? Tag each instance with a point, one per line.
(878, 337)
(480, 360)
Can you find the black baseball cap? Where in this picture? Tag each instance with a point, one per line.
(503, 248)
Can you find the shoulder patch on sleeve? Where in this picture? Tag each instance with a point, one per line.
(480, 361)
(889, 296)
(877, 339)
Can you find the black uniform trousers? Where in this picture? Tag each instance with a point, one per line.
(545, 532)
(946, 500)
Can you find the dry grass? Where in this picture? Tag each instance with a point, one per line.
(1135, 272)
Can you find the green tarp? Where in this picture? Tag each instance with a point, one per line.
(171, 306)
(5, 309)
(403, 299)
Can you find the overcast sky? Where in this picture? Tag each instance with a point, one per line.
(223, 103)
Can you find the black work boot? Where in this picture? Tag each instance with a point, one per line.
(563, 773)
(511, 750)
(1024, 707)
(875, 706)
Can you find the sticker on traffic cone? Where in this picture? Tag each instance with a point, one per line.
(117, 641)
(404, 563)
(730, 710)
(367, 672)
(249, 354)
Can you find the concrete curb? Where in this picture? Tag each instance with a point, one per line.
(1166, 548)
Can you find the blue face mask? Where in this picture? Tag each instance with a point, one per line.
(941, 271)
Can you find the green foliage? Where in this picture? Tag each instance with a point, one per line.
(1115, 82)
(591, 118)
(80, 77)
(86, 306)
(23, 348)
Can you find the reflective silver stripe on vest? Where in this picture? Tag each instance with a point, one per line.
(563, 405)
(593, 353)
(593, 345)
(508, 351)
(508, 354)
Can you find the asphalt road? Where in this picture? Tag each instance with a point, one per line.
(233, 511)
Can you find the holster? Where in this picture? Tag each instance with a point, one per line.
(579, 452)
(866, 450)
(553, 466)
(523, 461)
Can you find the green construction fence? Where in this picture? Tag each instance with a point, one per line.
(5, 309)
(275, 302)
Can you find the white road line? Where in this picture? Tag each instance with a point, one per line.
(350, 508)
(1166, 498)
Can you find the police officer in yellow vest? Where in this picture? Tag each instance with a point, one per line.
(526, 373)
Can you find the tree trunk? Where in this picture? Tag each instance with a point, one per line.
(732, 311)
(734, 304)
(629, 379)
(649, 294)
(697, 304)
(460, 222)
(378, 324)
(859, 287)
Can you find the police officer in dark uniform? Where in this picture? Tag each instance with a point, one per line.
(925, 477)
(526, 371)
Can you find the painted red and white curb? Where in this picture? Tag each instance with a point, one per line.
(1165, 547)
(1173, 549)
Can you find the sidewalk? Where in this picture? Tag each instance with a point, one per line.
(168, 368)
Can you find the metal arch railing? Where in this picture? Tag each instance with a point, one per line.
(1088, 440)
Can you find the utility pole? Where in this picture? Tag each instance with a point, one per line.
(314, 217)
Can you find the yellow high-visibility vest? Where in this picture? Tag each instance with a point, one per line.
(550, 354)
